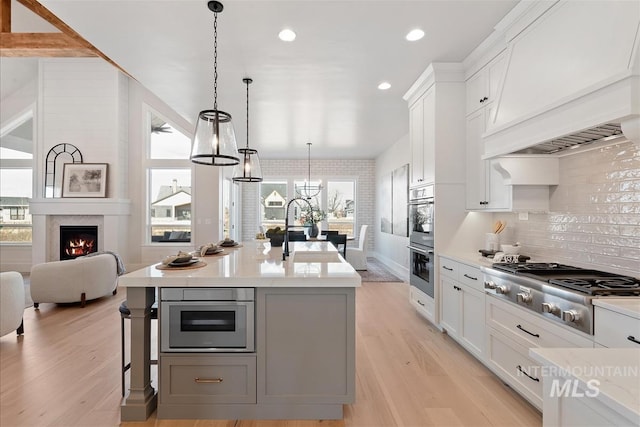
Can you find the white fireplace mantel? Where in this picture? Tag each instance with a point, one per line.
(111, 216)
(79, 206)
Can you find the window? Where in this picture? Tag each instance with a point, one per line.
(17, 213)
(273, 201)
(16, 180)
(336, 201)
(168, 183)
(341, 205)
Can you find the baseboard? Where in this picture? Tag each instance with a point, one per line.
(397, 269)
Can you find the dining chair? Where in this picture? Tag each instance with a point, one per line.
(340, 242)
(357, 257)
(297, 236)
(328, 232)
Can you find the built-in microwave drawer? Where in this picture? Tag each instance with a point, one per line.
(188, 379)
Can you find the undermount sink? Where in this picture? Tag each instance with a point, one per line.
(315, 256)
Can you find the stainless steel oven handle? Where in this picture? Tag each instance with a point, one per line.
(421, 202)
(421, 251)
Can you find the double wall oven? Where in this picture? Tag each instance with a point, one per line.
(421, 257)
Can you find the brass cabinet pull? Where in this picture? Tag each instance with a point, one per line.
(207, 380)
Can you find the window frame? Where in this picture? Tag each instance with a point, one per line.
(21, 164)
(322, 197)
(150, 164)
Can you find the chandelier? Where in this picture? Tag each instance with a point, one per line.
(307, 189)
(248, 170)
(214, 141)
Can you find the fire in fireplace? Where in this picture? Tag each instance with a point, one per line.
(77, 241)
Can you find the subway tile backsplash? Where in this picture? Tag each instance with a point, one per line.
(594, 218)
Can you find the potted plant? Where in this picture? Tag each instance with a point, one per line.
(311, 217)
(276, 235)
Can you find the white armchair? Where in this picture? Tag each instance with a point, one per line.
(11, 302)
(357, 257)
(74, 280)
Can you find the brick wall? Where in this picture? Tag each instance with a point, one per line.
(594, 218)
(363, 171)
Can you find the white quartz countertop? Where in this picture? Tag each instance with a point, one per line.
(616, 370)
(628, 306)
(247, 265)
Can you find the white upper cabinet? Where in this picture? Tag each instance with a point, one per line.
(482, 87)
(485, 189)
(436, 110)
(416, 141)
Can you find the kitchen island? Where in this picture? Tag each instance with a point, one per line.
(303, 366)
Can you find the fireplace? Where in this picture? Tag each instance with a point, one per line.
(78, 240)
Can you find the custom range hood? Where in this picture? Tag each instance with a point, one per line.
(571, 80)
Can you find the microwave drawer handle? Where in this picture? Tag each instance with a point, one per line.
(207, 380)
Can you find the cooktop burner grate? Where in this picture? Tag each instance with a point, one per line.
(534, 267)
(622, 285)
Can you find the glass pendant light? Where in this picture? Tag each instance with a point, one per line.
(307, 189)
(248, 170)
(214, 141)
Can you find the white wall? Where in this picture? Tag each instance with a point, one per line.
(390, 248)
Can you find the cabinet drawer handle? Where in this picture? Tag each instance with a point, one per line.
(447, 268)
(207, 380)
(457, 288)
(524, 373)
(470, 277)
(420, 302)
(530, 333)
(633, 339)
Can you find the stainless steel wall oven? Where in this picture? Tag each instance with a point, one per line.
(207, 319)
(421, 204)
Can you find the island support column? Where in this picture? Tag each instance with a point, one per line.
(141, 401)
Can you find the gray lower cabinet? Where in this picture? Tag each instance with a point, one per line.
(306, 345)
(208, 379)
(303, 366)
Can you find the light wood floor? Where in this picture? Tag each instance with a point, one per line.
(65, 372)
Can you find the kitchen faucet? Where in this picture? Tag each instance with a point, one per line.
(285, 252)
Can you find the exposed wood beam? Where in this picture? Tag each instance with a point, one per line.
(42, 45)
(5, 16)
(67, 44)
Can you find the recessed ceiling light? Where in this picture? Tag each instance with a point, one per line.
(414, 35)
(287, 35)
(384, 86)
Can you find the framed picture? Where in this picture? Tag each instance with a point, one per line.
(84, 180)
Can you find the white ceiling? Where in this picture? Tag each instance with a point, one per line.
(321, 88)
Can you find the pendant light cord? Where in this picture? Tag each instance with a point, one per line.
(248, 81)
(309, 162)
(215, 61)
